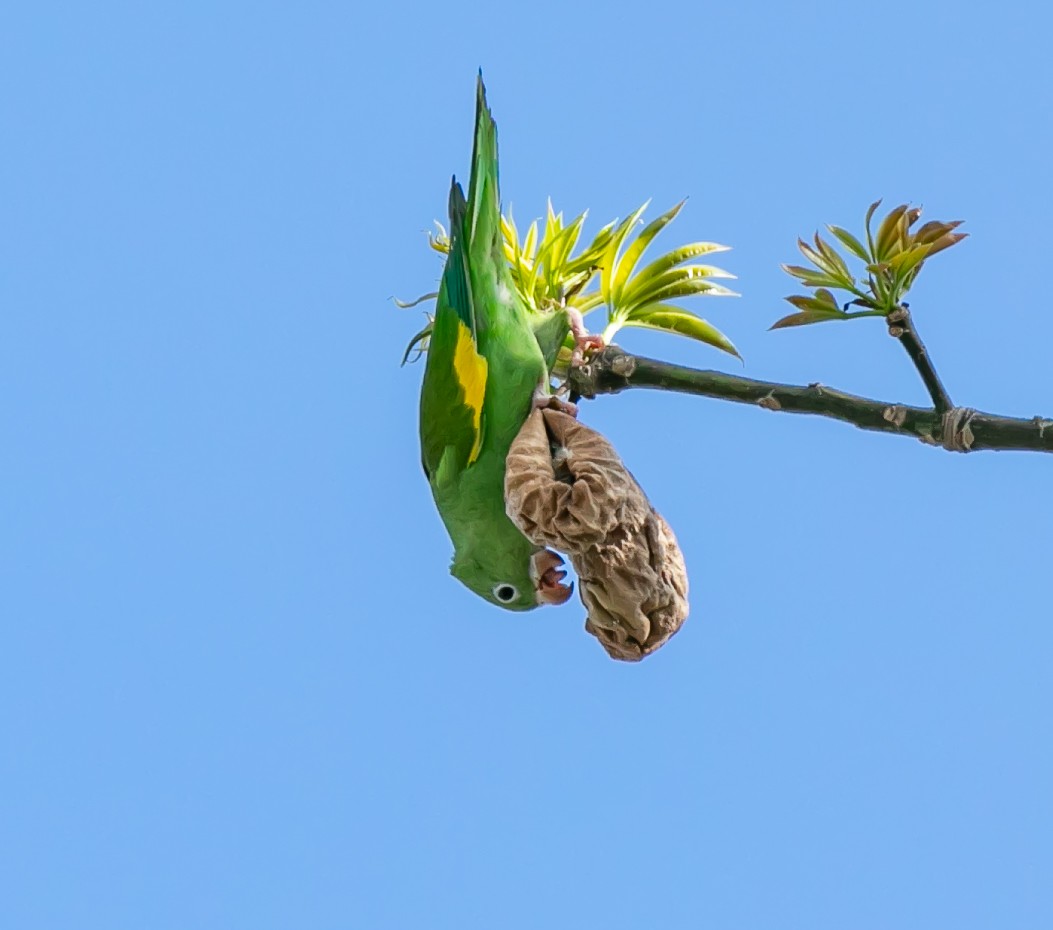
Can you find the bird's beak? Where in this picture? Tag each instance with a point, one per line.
(548, 577)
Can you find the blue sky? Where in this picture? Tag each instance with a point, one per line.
(238, 687)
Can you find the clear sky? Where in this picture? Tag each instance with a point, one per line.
(238, 687)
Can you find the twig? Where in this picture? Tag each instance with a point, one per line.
(901, 327)
(612, 370)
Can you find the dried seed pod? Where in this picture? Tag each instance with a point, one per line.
(566, 487)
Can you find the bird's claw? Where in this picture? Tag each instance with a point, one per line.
(583, 339)
(544, 400)
(582, 344)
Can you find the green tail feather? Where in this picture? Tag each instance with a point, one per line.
(484, 197)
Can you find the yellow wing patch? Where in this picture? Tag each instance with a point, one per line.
(471, 368)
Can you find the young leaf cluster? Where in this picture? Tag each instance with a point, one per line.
(550, 272)
(892, 256)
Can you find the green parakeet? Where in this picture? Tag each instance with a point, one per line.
(484, 369)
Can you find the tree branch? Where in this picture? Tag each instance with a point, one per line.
(901, 327)
(957, 428)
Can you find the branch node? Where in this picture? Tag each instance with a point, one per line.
(896, 415)
(817, 387)
(1042, 423)
(896, 331)
(769, 402)
(899, 315)
(955, 432)
(623, 365)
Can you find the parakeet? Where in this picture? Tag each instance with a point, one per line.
(485, 370)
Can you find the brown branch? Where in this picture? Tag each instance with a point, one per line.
(901, 327)
(612, 370)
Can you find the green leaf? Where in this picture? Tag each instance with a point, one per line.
(551, 247)
(574, 284)
(508, 228)
(880, 288)
(933, 230)
(830, 254)
(678, 257)
(946, 241)
(636, 249)
(404, 305)
(890, 234)
(586, 303)
(676, 282)
(418, 342)
(827, 298)
(850, 242)
(806, 317)
(866, 223)
(530, 243)
(609, 265)
(810, 277)
(513, 252)
(672, 319)
(569, 241)
(817, 304)
(592, 256)
(905, 262)
(553, 222)
(816, 258)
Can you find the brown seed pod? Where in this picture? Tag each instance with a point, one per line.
(566, 487)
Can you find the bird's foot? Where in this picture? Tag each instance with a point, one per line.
(544, 400)
(583, 339)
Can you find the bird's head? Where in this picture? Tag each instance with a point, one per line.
(520, 580)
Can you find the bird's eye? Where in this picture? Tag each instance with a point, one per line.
(505, 593)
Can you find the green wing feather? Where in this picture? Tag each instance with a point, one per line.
(452, 395)
(550, 331)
